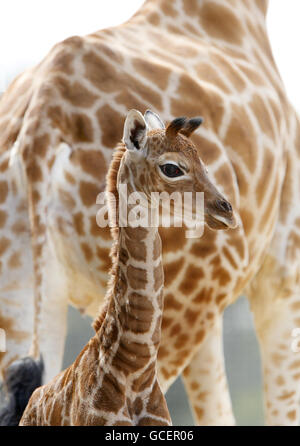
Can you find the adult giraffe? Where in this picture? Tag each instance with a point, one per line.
(58, 124)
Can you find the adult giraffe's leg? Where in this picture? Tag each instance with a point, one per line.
(206, 384)
(16, 271)
(275, 301)
(50, 283)
(20, 373)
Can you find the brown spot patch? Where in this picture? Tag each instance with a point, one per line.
(3, 191)
(130, 101)
(247, 219)
(19, 227)
(173, 239)
(69, 177)
(153, 18)
(14, 260)
(136, 233)
(103, 255)
(181, 340)
(191, 316)
(62, 62)
(199, 412)
(219, 22)
(4, 244)
(175, 330)
(111, 124)
(81, 128)
(88, 193)
(204, 296)
(110, 396)
(286, 395)
(171, 303)
(87, 251)
(95, 230)
(100, 73)
(75, 93)
(8, 324)
(136, 250)
(162, 352)
(199, 336)
(41, 144)
(280, 380)
(292, 415)
(4, 165)
(166, 322)
(206, 246)
(3, 218)
(78, 223)
(123, 256)
(192, 276)
(172, 269)
(168, 9)
(137, 277)
(137, 406)
(34, 172)
(92, 162)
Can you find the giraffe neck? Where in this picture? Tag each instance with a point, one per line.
(130, 333)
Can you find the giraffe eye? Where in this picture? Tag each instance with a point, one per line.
(171, 170)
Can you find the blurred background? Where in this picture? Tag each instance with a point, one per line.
(27, 32)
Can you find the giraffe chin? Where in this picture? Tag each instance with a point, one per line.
(220, 222)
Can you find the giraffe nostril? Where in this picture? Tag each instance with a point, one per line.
(224, 205)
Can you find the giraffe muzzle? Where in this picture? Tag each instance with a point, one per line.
(219, 215)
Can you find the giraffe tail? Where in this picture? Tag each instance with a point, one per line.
(22, 377)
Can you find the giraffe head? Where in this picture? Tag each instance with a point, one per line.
(159, 159)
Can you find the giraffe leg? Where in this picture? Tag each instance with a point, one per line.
(16, 270)
(275, 302)
(206, 384)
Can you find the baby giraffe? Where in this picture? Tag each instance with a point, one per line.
(113, 381)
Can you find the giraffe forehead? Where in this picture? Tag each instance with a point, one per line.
(177, 148)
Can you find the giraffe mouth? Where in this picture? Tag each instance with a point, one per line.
(219, 215)
(220, 222)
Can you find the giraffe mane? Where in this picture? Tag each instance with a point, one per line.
(111, 186)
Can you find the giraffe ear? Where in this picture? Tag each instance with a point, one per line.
(153, 120)
(135, 131)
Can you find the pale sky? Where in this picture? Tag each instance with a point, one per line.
(29, 28)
